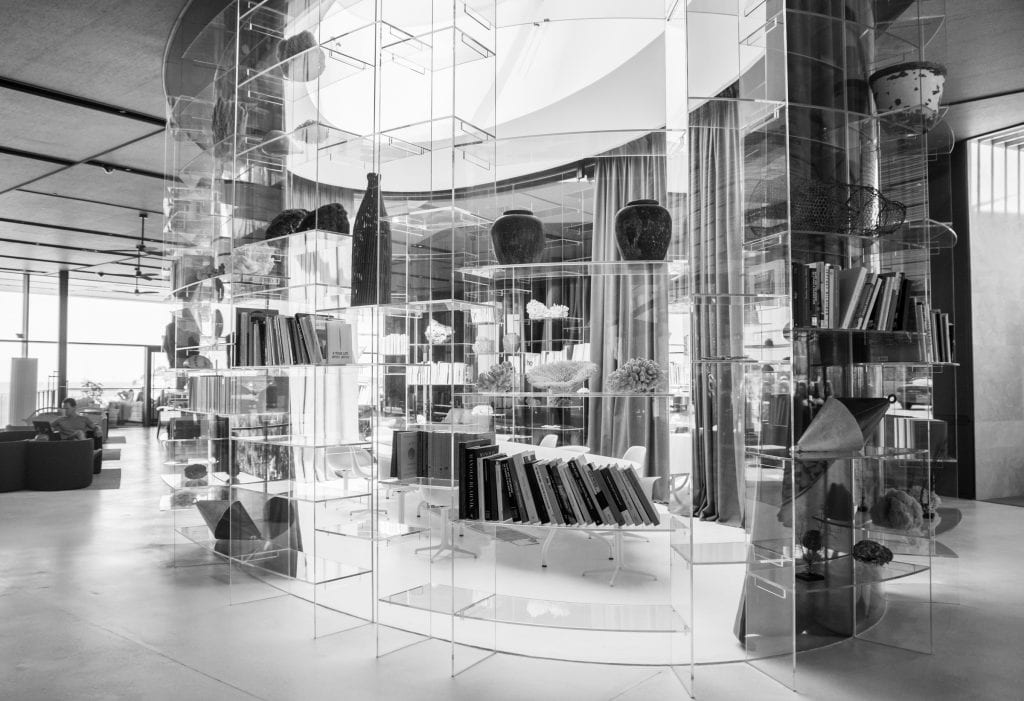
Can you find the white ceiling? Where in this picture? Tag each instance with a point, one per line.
(81, 87)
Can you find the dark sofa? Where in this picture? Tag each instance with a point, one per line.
(46, 465)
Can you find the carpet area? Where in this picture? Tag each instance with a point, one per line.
(111, 454)
(116, 439)
(107, 479)
(1008, 501)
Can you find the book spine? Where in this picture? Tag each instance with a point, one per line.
(645, 503)
(619, 502)
(530, 514)
(568, 515)
(533, 482)
(548, 490)
(581, 487)
(507, 507)
(620, 484)
(575, 501)
(602, 499)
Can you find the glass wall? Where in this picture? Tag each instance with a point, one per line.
(996, 230)
(108, 341)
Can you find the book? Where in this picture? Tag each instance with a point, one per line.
(339, 342)
(469, 486)
(617, 496)
(527, 506)
(851, 284)
(405, 455)
(536, 493)
(644, 502)
(869, 299)
(575, 500)
(567, 514)
(615, 505)
(491, 472)
(602, 497)
(588, 500)
(510, 499)
(548, 490)
(627, 496)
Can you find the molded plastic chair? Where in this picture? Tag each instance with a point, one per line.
(549, 441)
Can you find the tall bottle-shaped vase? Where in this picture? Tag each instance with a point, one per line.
(371, 248)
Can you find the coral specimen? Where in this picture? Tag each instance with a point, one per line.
(538, 310)
(498, 378)
(437, 333)
(872, 553)
(637, 375)
(561, 375)
(897, 509)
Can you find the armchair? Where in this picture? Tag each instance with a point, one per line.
(58, 465)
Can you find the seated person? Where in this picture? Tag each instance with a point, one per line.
(74, 426)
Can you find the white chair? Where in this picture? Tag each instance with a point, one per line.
(348, 462)
(549, 441)
(680, 468)
(441, 500)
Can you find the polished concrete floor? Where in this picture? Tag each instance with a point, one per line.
(91, 608)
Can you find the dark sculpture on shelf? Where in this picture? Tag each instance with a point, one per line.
(643, 230)
(329, 217)
(371, 248)
(302, 59)
(285, 223)
(518, 237)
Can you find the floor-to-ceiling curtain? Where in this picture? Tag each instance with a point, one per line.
(628, 313)
(716, 216)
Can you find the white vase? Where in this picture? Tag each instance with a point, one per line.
(910, 93)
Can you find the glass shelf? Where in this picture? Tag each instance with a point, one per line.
(564, 395)
(203, 290)
(284, 370)
(367, 530)
(301, 566)
(664, 527)
(575, 615)
(437, 598)
(540, 271)
(296, 441)
(881, 454)
(713, 553)
(841, 574)
(310, 492)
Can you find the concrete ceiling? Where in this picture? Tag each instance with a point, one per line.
(82, 140)
(82, 113)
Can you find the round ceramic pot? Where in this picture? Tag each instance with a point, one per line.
(912, 90)
(643, 229)
(518, 237)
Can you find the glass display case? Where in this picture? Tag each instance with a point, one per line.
(812, 299)
(519, 345)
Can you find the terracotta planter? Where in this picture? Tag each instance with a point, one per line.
(518, 237)
(912, 91)
(643, 229)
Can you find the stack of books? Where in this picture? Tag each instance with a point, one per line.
(828, 297)
(264, 337)
(519, 488)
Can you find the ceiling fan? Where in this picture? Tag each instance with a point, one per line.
(141, 248)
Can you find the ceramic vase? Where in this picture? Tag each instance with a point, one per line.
(371, 248)
(643, 229)
(912, 91)
(518, 237)
(510, 342)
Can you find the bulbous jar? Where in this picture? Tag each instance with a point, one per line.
(518, 237)
(643, 229)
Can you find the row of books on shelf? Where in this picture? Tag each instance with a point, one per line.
(519, 488)
(264, 337)
(217, 394)
(914, 433)
(830, 297)
(439, 373)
